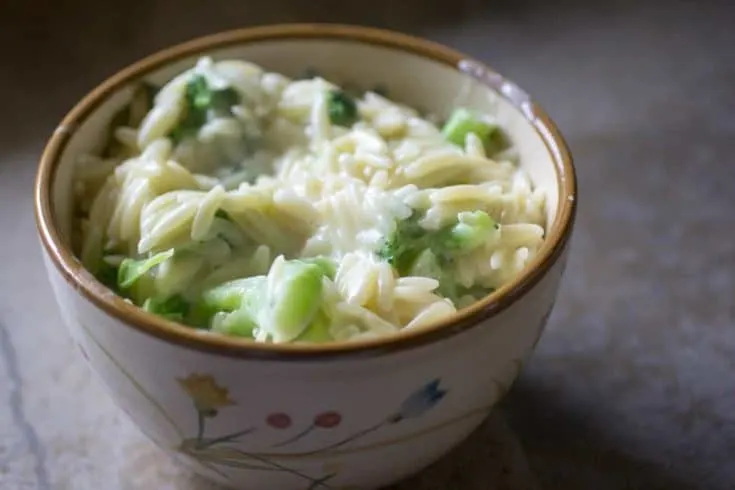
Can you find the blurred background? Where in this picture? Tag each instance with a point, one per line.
(633, 385)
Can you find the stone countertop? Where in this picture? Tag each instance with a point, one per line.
(631, 386)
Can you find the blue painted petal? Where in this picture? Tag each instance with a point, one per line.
(422, 400)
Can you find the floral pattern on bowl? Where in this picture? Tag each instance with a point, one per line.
(208, 398)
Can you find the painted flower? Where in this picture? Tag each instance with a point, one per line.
(420, 402)
(207, 395)
(279, 420)
(327, 420)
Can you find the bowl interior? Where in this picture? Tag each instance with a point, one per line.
(410, 78)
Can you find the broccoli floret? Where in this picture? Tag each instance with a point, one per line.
(409, 239)
(462, 122)
(401, 247)
(174, 308)
(413, 250)
(200, 100)
(341, 108)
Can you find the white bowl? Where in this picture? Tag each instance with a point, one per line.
(351, 415)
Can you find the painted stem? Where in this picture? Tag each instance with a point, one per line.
(200, 427)
(205, 443)
(212, 468)
(321, 481)
(296, 437)
(283, 468)
(349, 439)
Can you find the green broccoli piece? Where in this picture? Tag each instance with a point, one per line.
(327, 265)
(341, 108)
(239, 323)
(132, 270)
(318, 329)
(201, 97)
(409, 239)
(406, 242)
(237, 304)
(413, 250)
(174, 308)
(427, 264)
(285, 302)
(200, 100)
(294, 296)
(230, 296)
(473, 228)
(223, 100)
(462, 122)
(107, 275)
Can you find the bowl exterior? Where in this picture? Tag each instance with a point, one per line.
(359, 420)
(348, 422)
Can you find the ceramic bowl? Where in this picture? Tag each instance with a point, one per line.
(355, 415)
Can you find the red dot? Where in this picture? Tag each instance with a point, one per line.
(279, 420)
(327, 420)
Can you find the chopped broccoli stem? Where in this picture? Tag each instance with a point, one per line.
(462, 122)
(293, 298)
(285, 303)
(230, 295)
(239, 323)
(232, 308)
(341, 108)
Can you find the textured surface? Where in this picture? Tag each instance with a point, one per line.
(631, 387)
